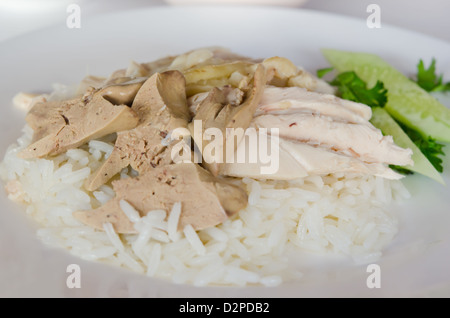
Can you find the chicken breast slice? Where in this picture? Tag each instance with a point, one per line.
(363, 141)
(287, 100)
(319, 134)
(297, 160)
(320, 161)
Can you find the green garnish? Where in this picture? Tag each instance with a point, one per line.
(428, 146)
(350, 86)
(429, 80)
(323, 71)
(388, 126)
(407, 102)
(353, 88)
(401, 170)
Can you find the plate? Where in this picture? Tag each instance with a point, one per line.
(415, 264)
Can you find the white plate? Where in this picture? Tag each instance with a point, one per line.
(417, 262)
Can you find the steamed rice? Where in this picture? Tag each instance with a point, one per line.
(344, 214)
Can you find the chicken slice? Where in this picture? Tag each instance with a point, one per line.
(205, 200)
(278, 166)
(321, 161)
(310, 82)
(363, 141)
(295, 160)
(288, 100)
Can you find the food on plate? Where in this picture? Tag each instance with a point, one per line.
(160, 105)
(206, 200)
(402, 108)
(59, 126)
(389, 126)
(320, 134)
(428, 79)
(215, 111)
(407, 102)
(140, 169)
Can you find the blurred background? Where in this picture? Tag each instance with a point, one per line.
(429, 17)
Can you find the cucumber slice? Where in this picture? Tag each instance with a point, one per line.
(407, 101)
(382, 120)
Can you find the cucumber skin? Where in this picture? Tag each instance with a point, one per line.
(383, 120)
(407, 102)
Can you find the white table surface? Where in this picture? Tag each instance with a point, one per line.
(430, 17)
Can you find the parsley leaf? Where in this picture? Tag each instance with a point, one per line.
(321, 73)
(429, 80)
(428, 146)
(401, 170)
(353, 88)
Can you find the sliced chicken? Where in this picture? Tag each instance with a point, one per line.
(363, 141)
(205, 200)
(289, 100)
(161, 107)
(312, 125)
(310, 82)
(279, 166)
(321, 161)
(297, 160)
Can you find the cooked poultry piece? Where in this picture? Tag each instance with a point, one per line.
(298, 160)
(362, 141)
(318, 134)
(288, 100)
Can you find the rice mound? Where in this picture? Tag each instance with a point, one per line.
(340, 214)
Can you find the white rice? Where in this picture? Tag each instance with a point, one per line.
(345, 214)
(194, 240)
